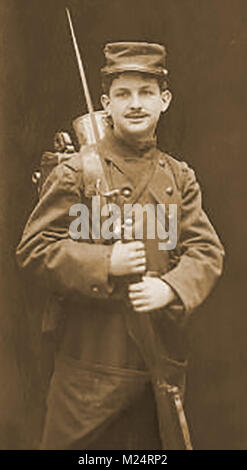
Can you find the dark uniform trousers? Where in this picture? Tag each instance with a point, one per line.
(100, 394)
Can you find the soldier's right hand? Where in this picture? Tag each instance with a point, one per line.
(128, 258)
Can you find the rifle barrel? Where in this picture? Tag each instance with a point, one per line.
(83, 79)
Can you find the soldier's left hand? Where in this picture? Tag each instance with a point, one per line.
(150, 294)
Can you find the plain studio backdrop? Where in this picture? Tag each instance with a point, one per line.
(206, 126)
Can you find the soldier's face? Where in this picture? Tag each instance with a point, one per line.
(135, 102)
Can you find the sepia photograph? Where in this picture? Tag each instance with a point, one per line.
(123, 176)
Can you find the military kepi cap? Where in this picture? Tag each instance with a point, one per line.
(135, 56)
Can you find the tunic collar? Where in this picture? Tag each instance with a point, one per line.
(118, 150)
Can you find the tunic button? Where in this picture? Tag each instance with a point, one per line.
(128, 222)
(162, 162)
(126, 192)
(169, 190)
(95, 289)
(117, 231)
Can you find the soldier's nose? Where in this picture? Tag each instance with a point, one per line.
(135, 102)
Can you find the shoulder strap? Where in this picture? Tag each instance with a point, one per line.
(179, 170)
(94, 178)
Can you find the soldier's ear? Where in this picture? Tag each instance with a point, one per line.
(166, 97)
(105, 101)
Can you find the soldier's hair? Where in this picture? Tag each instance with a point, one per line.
(107, 80)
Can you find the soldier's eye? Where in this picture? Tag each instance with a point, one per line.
(147, 92)
(121, 94)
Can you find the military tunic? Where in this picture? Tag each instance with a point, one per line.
(100, 371)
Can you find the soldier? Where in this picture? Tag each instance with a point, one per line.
(103, 392)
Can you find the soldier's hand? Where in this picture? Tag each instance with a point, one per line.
(128, 258)
(150, 294)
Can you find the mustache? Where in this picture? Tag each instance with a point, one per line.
(135, 114)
